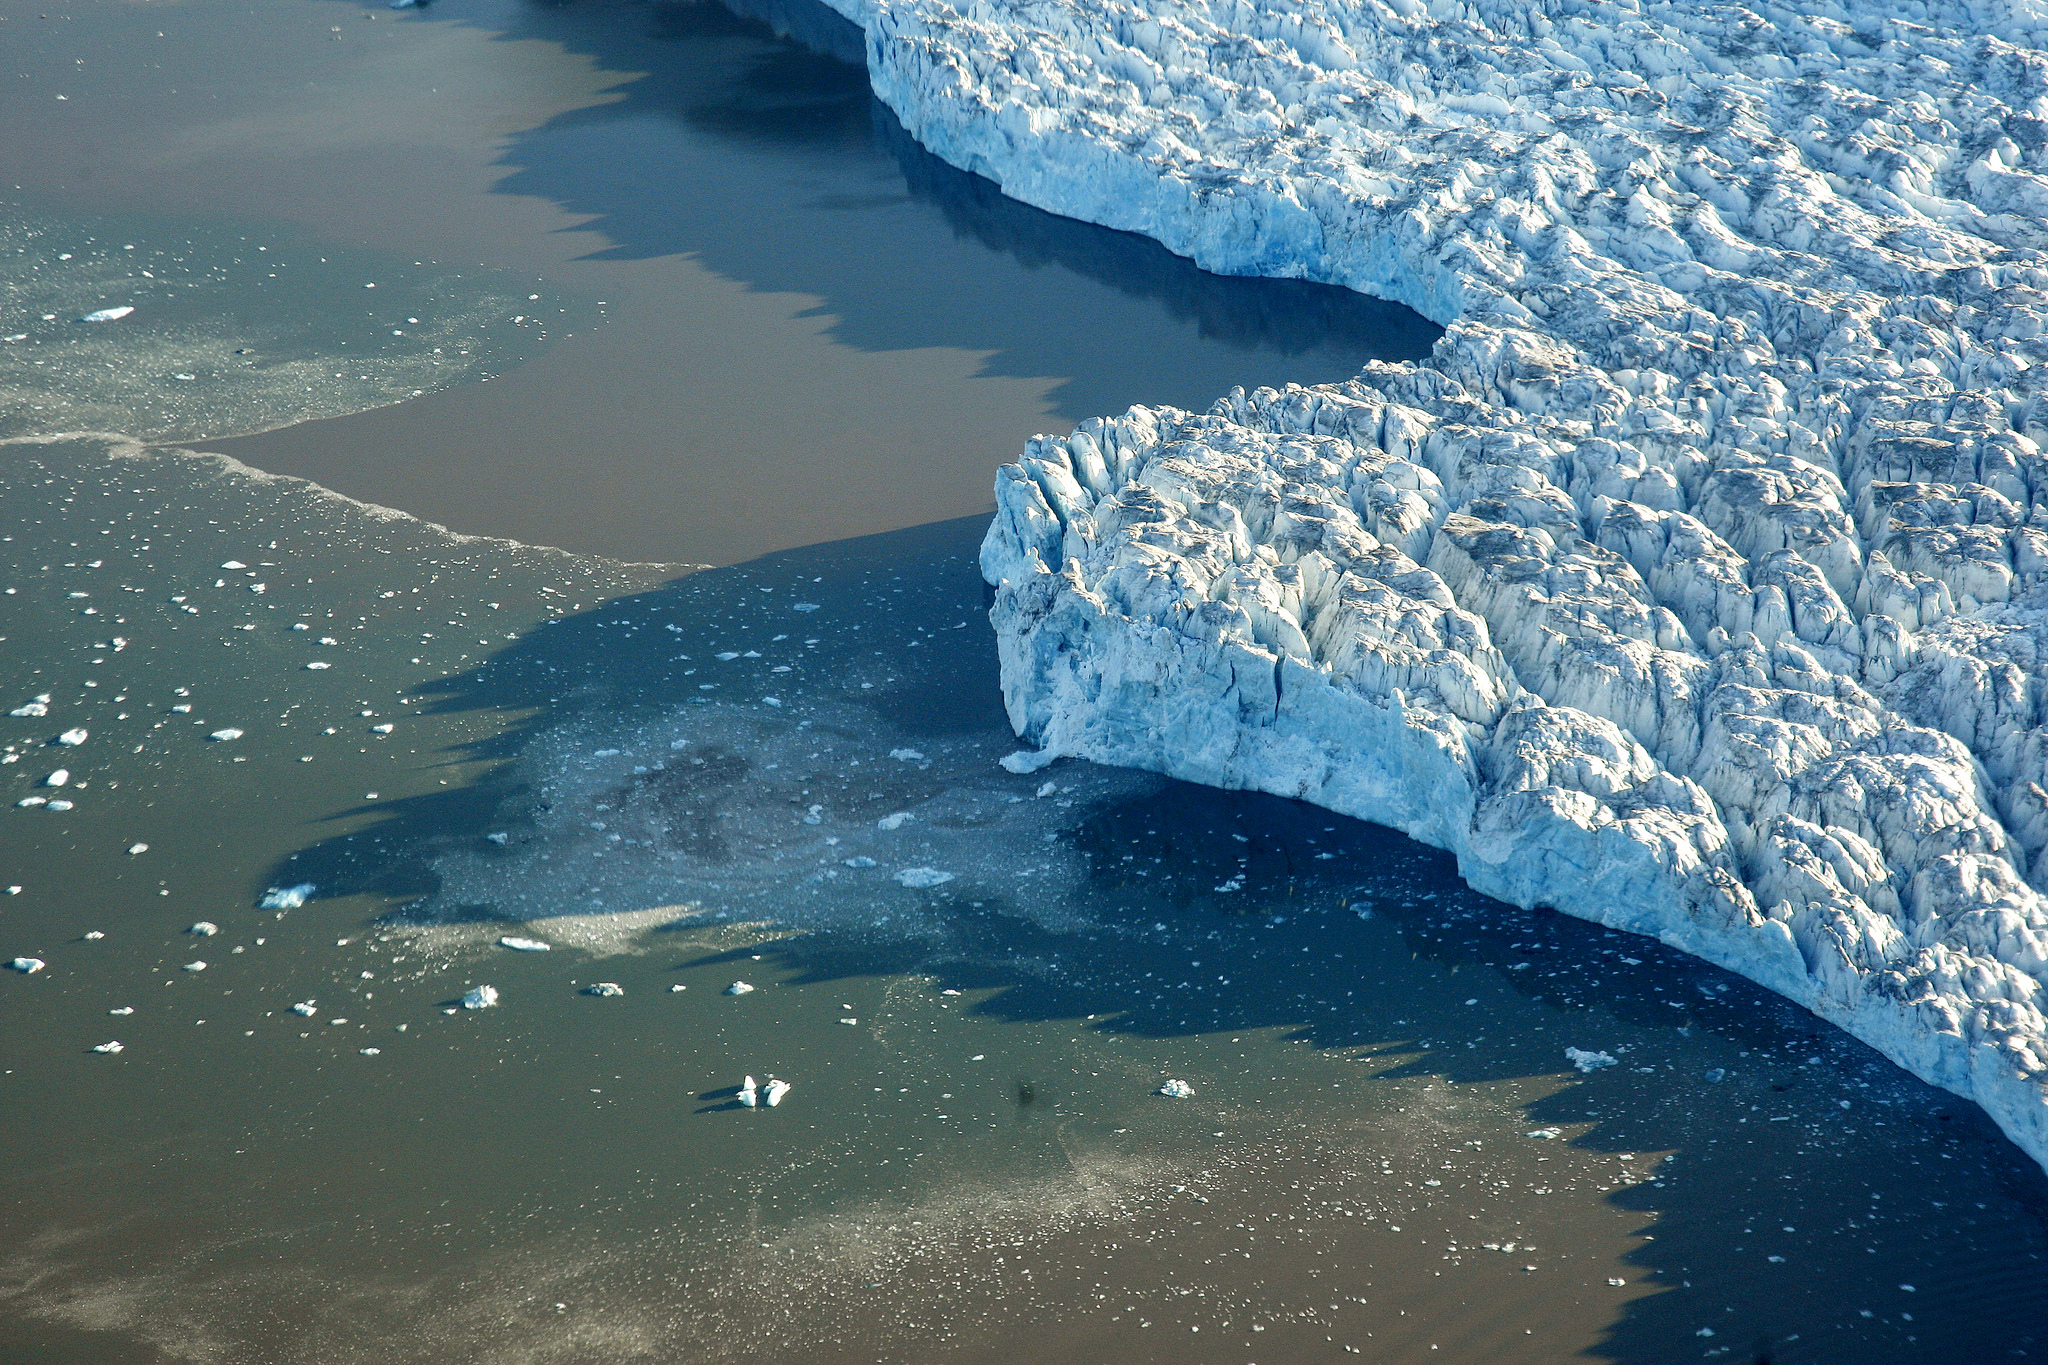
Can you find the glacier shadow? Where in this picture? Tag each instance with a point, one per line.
(1917, 1187)
(753, 144)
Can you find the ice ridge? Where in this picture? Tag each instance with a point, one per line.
(1697, 584)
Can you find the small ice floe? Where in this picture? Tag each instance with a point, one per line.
(36, 708)
(1717, 1075)
(369, 1051)
(747, 1093)
(1048, 789)
(28, 801)
(773, 1092)
(918, 878)
(1545, 1133)
(499, 839)
(317, 665)
(1176, 1090)
(674, 989)
(205, 929)
(803, 606)
(71, 739)
(124, 1010)
(480, 998)
(849, 1019)
(59, 778)
(108, 314)
(60, 805)
(894, 821)
(93, 936)
(857, 861)
(739, 988)
(195, 966)
(384, 729)
(286, 897)
(906, 755)
(524, 945)
(1587, 1061)
(136, 849)
(28, 966)
(605, 988)
(306, 1009)
(234, 564)
(112, 1045)
(223, 736)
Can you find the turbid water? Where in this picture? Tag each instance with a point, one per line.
(781, 772)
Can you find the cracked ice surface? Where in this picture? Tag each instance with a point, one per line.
(1698, 583)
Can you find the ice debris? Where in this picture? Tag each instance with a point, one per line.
(739, 988)
(61, 777)
(38, 707)
(286, 897)
(906, 755)
(895, 821)
(1588, 1062)
(108, 314)
(306, 1009)
(222, 736)
(747, 1093)
(205, 929)
(28, 966)
(772, 1093)
(1696, 583)
(1176, 1090)
(112, 1045)
(606, 988)
(524, 945)
(918, 878)
(480, 998)
(195, 966)
(73, 738)
(135, 850)
(123, 1010)
(858, 860)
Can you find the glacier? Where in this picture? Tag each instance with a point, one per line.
(1697, 582)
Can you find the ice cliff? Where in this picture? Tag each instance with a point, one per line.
(1698, 583)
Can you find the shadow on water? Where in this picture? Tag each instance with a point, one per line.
(1917, 1188)
(781, 95)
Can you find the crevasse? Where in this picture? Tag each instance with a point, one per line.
(1697, 584)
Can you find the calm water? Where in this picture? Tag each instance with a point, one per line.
(670, 252)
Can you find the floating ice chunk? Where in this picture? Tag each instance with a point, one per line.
(606, 988)
(676, 988)
(93, 936)
(109, 314)
(524, 945)
(33, 708)
(906, 755)
(28, 966)
(1717, 1075)
(195, 966)
(32, 801)
(771, 701)
(205, 929)
(286, 897)
(222, 736)
(59, 778)
(849, 1019)
(480, 998)
(1177, 1090)
(747, 1095)
(60, 805)
(124, 1010)
(859, 860)
(369, 1051)
(1546, 1133)
(727, 657)
(73, 738)
(1587, 1061)
(383, 729)
(803, 606)
(894, 821)
(1028, 760)
(112, 1045)
(1048, 789)
(135, 849)
(739, 988)
(774, 1091)
(317, 665)
(234, 564)
(499, 839)
(305, 1008)
(918, 878)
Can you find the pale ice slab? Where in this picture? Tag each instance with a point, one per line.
(1698, 583)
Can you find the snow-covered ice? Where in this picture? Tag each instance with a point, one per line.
(108, 314)
(918, 878)
(1697, 584)
(772, 1093)
(112, 1045)
(28, 966)
(286, 897)
(222, 736)
(1177, 1090)
(480, 998)
(1588, 1062)
(604, 988)
(205, 929)
(524, 945)
(739, 988)
(73, 738)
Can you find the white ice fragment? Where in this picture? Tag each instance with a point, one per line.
(773, 1092)
(93, 936)
(524, 945)
(727, 657)
(739, 988)
(72, 738)
(1048, 789)
(123, 1010)
(1587, 1061)
(858, 860)
(137, 849)
(384, 729)
(918, 878)
(894, 821)
(234, 564)
(480, 998)
(605, 988)
(1546, 1133)
(59, 778)
(27, 801)
(771, 701)
(849, 1019)
(28, 966)
(195, 966)
(906, 755)
(747, 1093)
(286, 897)
(205, 929)
(676, 988)
(112, 1045)
(222, 736)
(369, 1051)
(33, 708)
(499, 839)
(306, 1008)
(59, 805)
(108, 314)
(317, 665)
(803, 606)
(1177, 1090)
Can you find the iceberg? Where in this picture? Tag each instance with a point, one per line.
(1697, 583)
